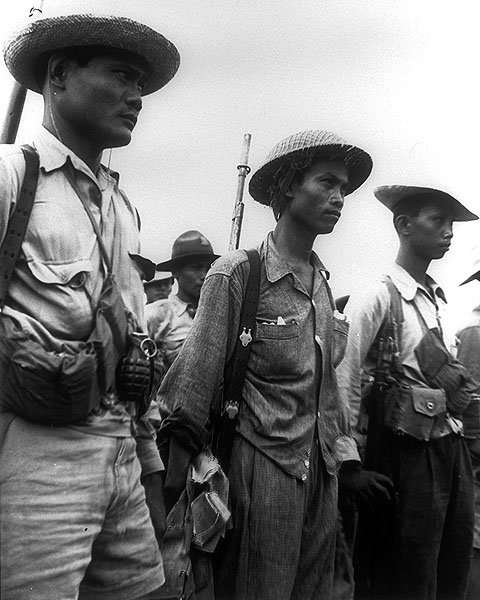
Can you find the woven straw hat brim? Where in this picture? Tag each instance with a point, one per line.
(22, 49)
(391, 195)
(184, 259)
(358, 162)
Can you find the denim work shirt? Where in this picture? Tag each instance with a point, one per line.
(366, 312)
(59, 275)
(290, 389)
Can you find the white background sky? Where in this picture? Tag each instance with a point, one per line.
(397, 77)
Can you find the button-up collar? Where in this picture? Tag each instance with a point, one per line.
(408, 286)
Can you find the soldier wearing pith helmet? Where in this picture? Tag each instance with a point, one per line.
(291, 429)
(74, 517)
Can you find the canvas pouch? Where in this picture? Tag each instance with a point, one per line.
(416, 411)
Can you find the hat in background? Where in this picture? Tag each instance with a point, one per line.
(476, 271)
(392, 195)
(187, 248)
(307, 147)
(23, 49)
(145, 265)
(160, 277)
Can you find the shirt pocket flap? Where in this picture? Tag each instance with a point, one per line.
(429, 402)
(61, 274)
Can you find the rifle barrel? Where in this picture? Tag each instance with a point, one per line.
(243, 171)
(16, 101)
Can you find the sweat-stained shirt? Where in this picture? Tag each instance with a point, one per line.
(290, 390)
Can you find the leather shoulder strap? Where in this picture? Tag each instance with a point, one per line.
(17, 225)
(246, 330)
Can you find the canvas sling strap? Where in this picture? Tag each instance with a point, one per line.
(17, 225)
(224, 432)
(127, 341)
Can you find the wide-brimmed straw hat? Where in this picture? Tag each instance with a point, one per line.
(308, 146)
(392, 195)
(23, 49)
(187, 248)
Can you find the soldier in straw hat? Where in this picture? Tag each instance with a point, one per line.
(419, 546)
(74, 518)
(291, 431)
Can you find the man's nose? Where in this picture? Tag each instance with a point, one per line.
(134, 98)
(338, 198)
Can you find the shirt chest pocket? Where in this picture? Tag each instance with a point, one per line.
(71, 274)
(58, 292)
(276, 350)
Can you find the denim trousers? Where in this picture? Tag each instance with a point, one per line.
(282, 545)
(74, 522)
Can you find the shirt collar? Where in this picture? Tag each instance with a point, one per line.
(53, 155)
(276, 267)
(180, 305)
(408, 287)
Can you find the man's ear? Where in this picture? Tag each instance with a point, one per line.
(402, 224)
(57, 70)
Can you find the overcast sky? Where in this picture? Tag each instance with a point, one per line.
(396, 77)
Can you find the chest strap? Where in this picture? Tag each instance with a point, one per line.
(17, 225)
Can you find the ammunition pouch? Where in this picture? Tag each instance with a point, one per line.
(416, 411)
(64, 384)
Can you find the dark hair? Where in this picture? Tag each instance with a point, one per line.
(282, 181)
(412, 205)
(81, 54)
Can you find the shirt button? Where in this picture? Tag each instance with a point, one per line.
(304, 477)
(306, 462)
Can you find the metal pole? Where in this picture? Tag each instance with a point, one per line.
(16, 101)
(243, 171)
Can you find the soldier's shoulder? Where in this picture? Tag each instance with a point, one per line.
(229, 263)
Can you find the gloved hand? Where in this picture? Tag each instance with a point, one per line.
(370, 488)
(153, 484)
(178, 462)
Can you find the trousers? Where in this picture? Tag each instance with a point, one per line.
(282, 545)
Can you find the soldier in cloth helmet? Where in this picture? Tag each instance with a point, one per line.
(292, 433)
(74, 518)
(422, 542)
